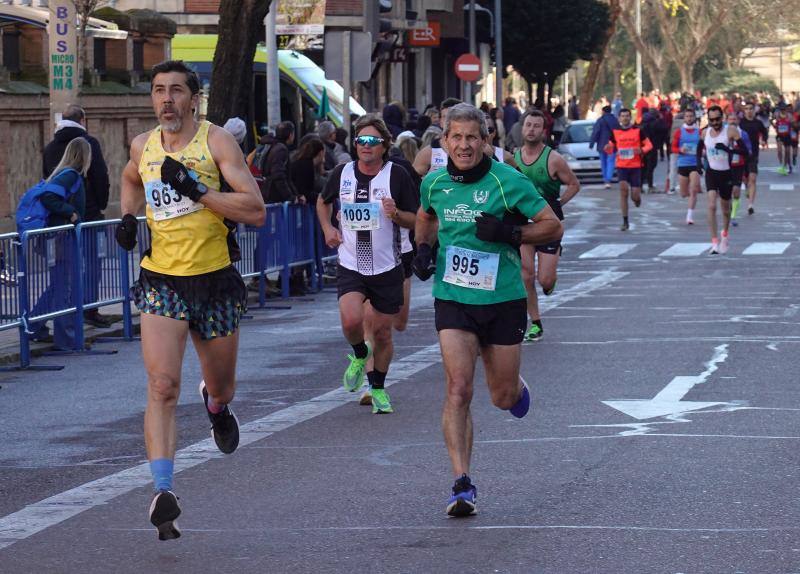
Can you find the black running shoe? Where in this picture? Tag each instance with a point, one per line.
(164, 510)
(224, 425)
(462, 501)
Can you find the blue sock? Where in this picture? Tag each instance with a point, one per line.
(162, 470)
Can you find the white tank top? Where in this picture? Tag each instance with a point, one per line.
(718, 160)
(371, 242)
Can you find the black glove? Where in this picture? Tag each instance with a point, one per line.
(423, 265)
(489, 228)
(175, 174)
(126, 232)
(721, 146)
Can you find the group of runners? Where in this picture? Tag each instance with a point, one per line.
(477, 226)
(725, 153)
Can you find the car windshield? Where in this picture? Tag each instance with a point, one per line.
(578, 133)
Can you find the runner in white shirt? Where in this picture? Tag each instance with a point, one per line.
(377, 198)
(715, 148)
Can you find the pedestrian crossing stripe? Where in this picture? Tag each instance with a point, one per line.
(614, 250)
(767, 248)
(685, 250)
(608, 250)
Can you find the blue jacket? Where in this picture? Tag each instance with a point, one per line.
(601, 133)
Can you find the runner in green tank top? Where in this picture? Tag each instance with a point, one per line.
(482, 210)
(548, 171)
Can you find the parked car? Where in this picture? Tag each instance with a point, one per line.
(574, 148)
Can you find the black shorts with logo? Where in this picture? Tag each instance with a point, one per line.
(384, 291)
(495, 324)
(554, 247)
(721, 182)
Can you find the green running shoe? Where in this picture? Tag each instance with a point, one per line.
(354, 375)
(380, 402)
(534, 334)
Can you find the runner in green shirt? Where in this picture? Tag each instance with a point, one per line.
(482, 210)
(548, 171)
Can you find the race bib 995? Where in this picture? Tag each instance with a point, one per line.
(471, 269)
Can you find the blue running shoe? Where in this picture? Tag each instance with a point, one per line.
(462, 501)
(520, 409)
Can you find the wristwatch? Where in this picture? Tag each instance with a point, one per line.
(199, 191)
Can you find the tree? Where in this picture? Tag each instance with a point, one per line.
(687, 31)
(548, 37)
(648, 43)
(592, 74)
(83, 8)
(240, 26)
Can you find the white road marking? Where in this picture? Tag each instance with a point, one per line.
(608, 250)
(668, 400)
(766, 248)
(781, 187)
(685, 250)
(51, 511)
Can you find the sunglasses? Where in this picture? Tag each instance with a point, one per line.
(491, 130)
(717, 119)
(369, 141)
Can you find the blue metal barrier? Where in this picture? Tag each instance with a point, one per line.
(58, 272)
(49, 287)
(9, 287)
(129, 272)
(299, 238)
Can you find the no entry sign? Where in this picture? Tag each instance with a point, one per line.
(468, 68)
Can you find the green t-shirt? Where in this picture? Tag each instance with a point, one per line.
(469, 270)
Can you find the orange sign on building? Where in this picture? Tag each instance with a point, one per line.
(430, 35)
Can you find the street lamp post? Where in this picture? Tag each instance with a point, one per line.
(498, 49)
(472, 50)
(638, 53)
(780, 32)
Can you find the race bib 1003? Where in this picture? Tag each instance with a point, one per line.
(361, 216)
(471, 269)
(166, 203)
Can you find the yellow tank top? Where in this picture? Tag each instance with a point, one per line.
(187, 237)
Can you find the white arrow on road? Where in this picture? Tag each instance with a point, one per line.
(668, 401)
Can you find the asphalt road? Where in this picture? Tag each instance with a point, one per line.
(663, 436)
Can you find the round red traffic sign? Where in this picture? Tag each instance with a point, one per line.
(468, 68)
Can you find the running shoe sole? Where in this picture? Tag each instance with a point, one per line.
(381, 409)
(365, 400)
(460, 508)
(164, 510)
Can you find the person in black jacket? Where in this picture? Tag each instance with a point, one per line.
(71, 126)
(277, 187)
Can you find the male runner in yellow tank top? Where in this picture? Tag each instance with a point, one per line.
(187, 283)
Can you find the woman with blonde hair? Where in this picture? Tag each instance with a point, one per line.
(63, 209)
